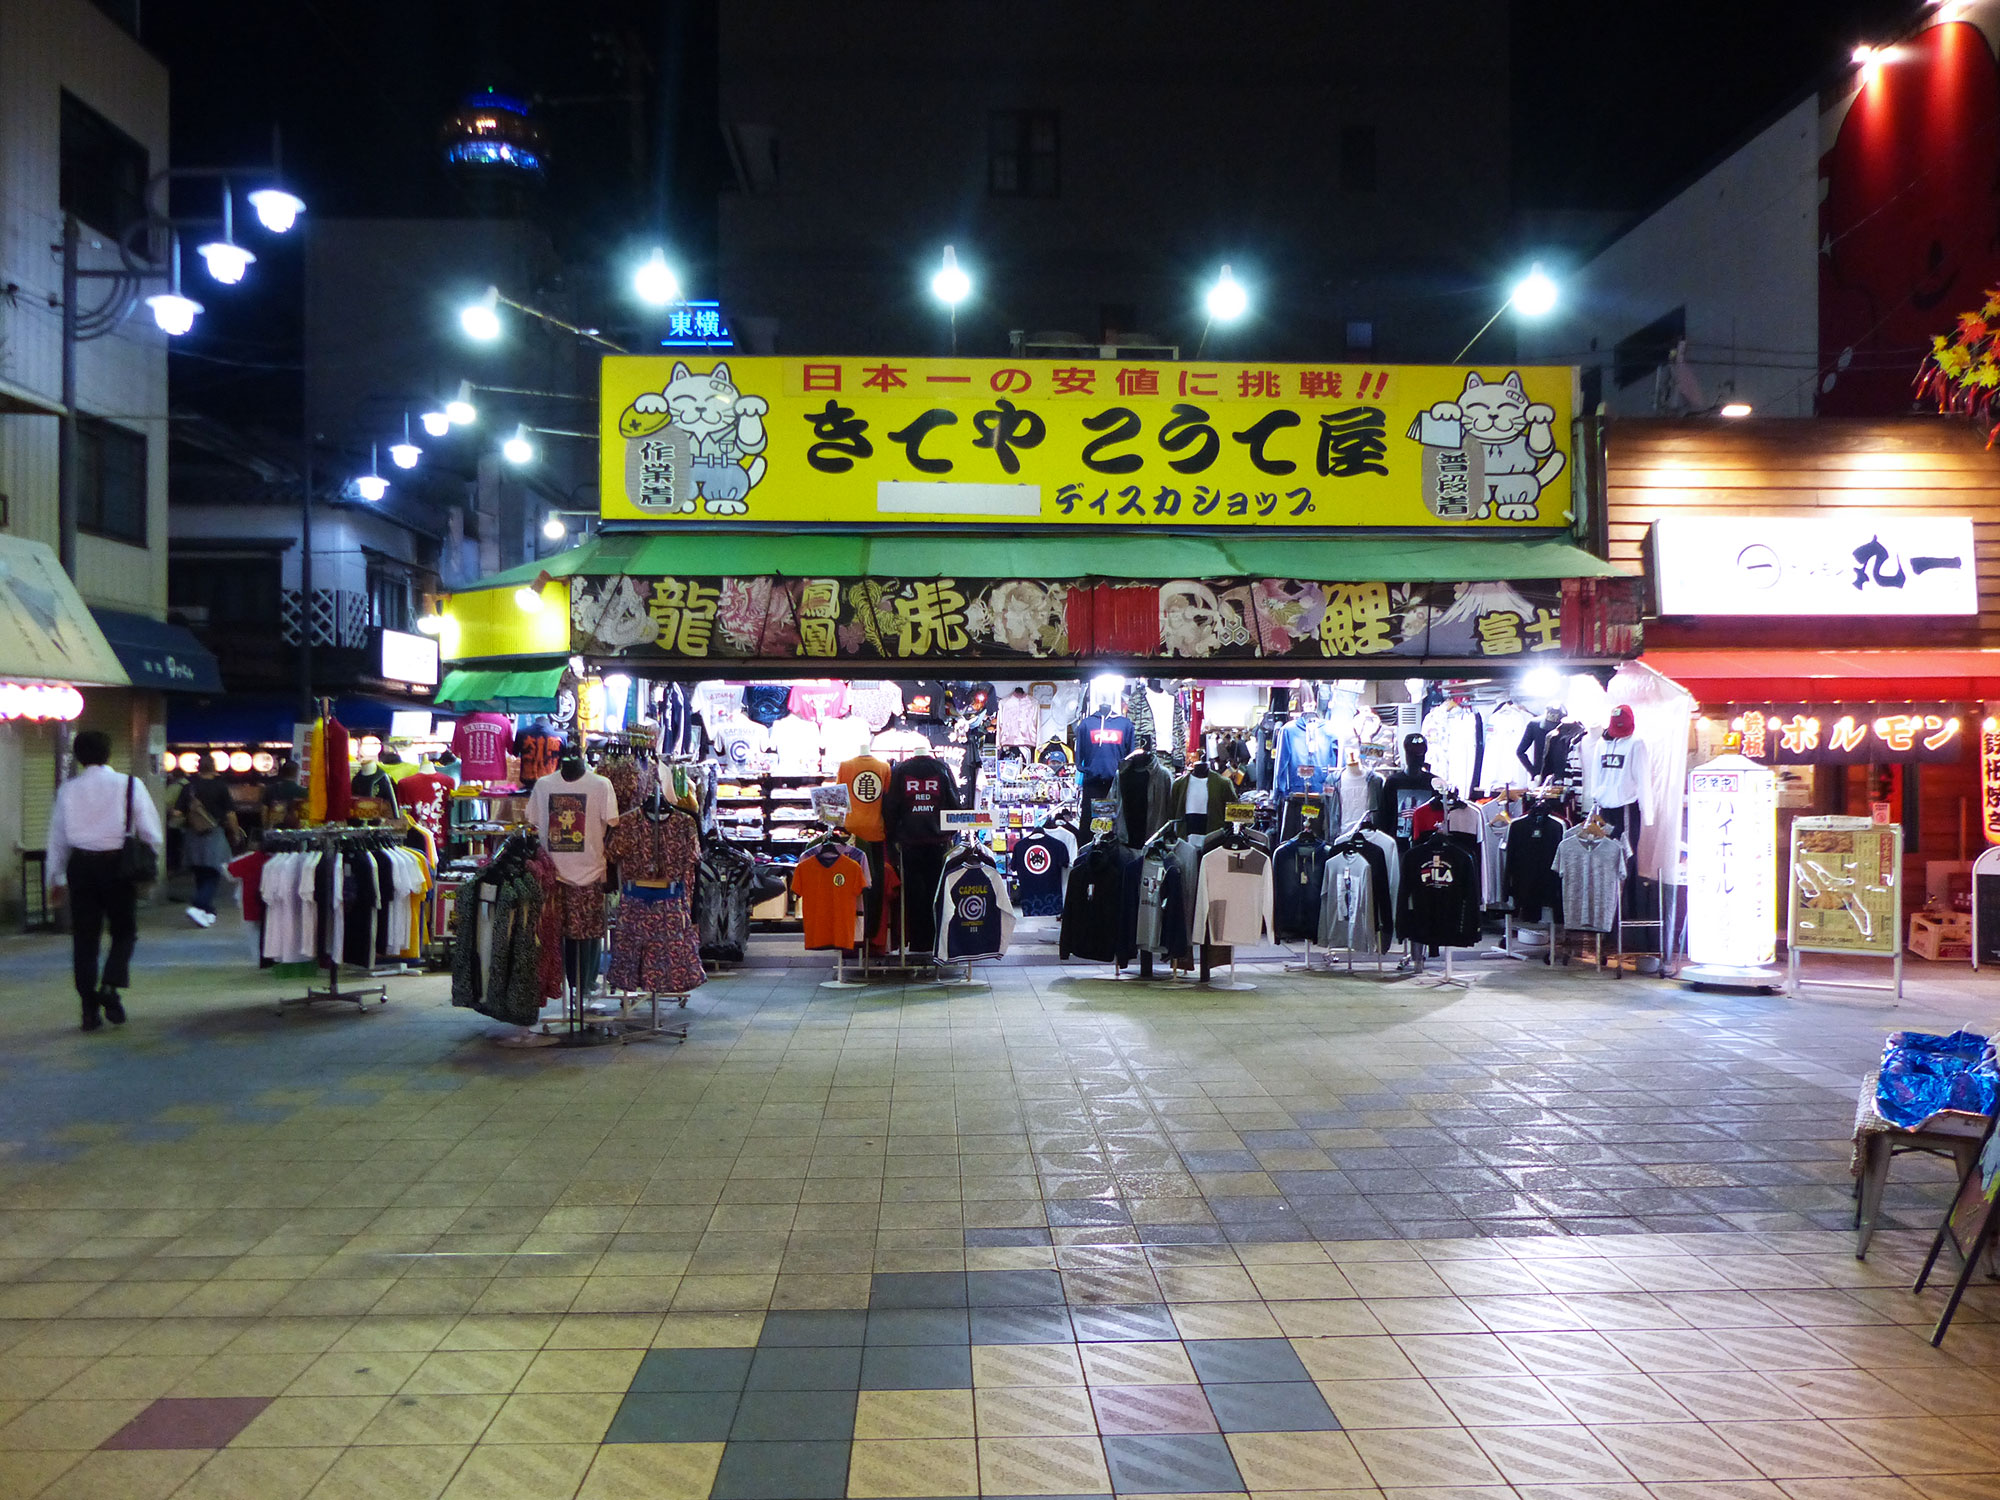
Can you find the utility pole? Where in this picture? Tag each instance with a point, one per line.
(66, 437)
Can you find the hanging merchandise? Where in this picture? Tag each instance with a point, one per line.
(841, 740)
(1507, 725)
(1170, 868)
(765, 702)
(744, 744)
(1020, 720)
(654, 947)
(1532, 750)
(975, 918)
(1533, 887)
(1100, 917)
(1662, 711)
(1141, 795)
(1352, 789)
(371, 781)
(1307, 756)
(1352, 898)
(1396, 795)
(1234, 905)
(920, 789)
(1197, 798)
(867, 780)
(874, 704)
(1298, 870)
(334, 775)
(818, 701)
(539, 749)
(724, 878)
(481, 742)
(1039, 864)
(795, 746)
(1102, 743)
(1439, 901)
(1457, 739)
(829, 882)
(507, 927)
(899, 743)
(1591, 866)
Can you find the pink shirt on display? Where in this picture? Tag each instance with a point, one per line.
(481, 742)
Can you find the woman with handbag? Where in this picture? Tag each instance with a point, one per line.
(104, 843)
(207, 815)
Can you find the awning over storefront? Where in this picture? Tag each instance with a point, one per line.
(1096, 554)
(254, 719)
(1756, 676)
(157, 655)
(515, 692)
(46, 631)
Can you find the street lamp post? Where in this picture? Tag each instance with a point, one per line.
(1533, 296)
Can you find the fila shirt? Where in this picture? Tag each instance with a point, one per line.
(1102, 741)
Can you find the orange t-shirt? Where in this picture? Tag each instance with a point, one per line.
(829, 882)
(866, 779)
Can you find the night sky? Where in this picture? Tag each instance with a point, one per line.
(1614, 106)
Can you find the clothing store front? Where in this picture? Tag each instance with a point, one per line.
(935, 737)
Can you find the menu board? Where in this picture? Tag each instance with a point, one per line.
(1846, 883)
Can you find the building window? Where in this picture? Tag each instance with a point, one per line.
(1357, 158)
(225, 593)
(1638, 355)
(389, 599)
(104, 171)
(1360, 336)
(1022, 153)
(111, 481)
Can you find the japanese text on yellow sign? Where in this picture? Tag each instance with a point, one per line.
(1042, 442)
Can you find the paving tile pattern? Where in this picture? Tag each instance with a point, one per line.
(1548, 1239)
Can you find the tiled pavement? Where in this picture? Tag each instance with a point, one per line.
(1556, 1237)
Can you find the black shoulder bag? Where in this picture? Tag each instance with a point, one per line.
(138, 860)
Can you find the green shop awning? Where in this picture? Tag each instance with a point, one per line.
(517, 692)
(1107, 555)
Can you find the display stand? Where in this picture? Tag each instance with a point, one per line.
(1513, 926)
(1985, 914)
(333, 991)
(1972, 1225)
(1846, 909)
(1213, 954)
(331, 841)
(625, 1024)
(840, 981)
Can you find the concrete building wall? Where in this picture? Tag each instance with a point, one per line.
(1736, 253)
(47, 47)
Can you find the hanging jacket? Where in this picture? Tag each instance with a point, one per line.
(1141, 794)
(1347, 911)
(723, 879)
(1306, 756)
(1439, 901)
(1163, 904)
(1233, 902)
(975, 918)
(1100, 918)
(1196, 802)
(919, 789)
(1532, 884)
(1297, 868)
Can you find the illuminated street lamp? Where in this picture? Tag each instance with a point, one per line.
(1226, 301)
(371, 486)
(480, 318)
(404, 455)
(951, 286)
(277, 210)
(459, 410)
(655, 281)
(1534, 296)
(174, 313)
(519, 449)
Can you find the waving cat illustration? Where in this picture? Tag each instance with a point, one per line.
(723, 426)
(1518, 438)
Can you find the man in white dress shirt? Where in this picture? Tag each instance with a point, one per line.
(87, 829)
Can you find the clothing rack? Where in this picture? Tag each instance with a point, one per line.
(333, 841)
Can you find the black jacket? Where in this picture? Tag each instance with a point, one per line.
(1438, 903)
(1297, 868)
(1532, 884)
(1100, 919)
(919, 789)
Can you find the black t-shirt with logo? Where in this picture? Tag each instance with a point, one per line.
(919, 789)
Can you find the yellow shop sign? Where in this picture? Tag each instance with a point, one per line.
(845, 442)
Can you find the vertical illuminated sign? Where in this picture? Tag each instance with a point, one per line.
(1989, 778)
(1732, 852)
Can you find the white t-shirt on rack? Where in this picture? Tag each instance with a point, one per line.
(796, 744)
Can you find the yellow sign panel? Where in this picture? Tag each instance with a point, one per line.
(847, 441)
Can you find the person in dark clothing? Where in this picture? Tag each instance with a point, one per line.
(207, 814)
(284, 796)
(96, 810)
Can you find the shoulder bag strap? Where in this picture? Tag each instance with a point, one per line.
(130, 782)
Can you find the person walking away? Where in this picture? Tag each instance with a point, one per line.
(207, 814)
(96, 811)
